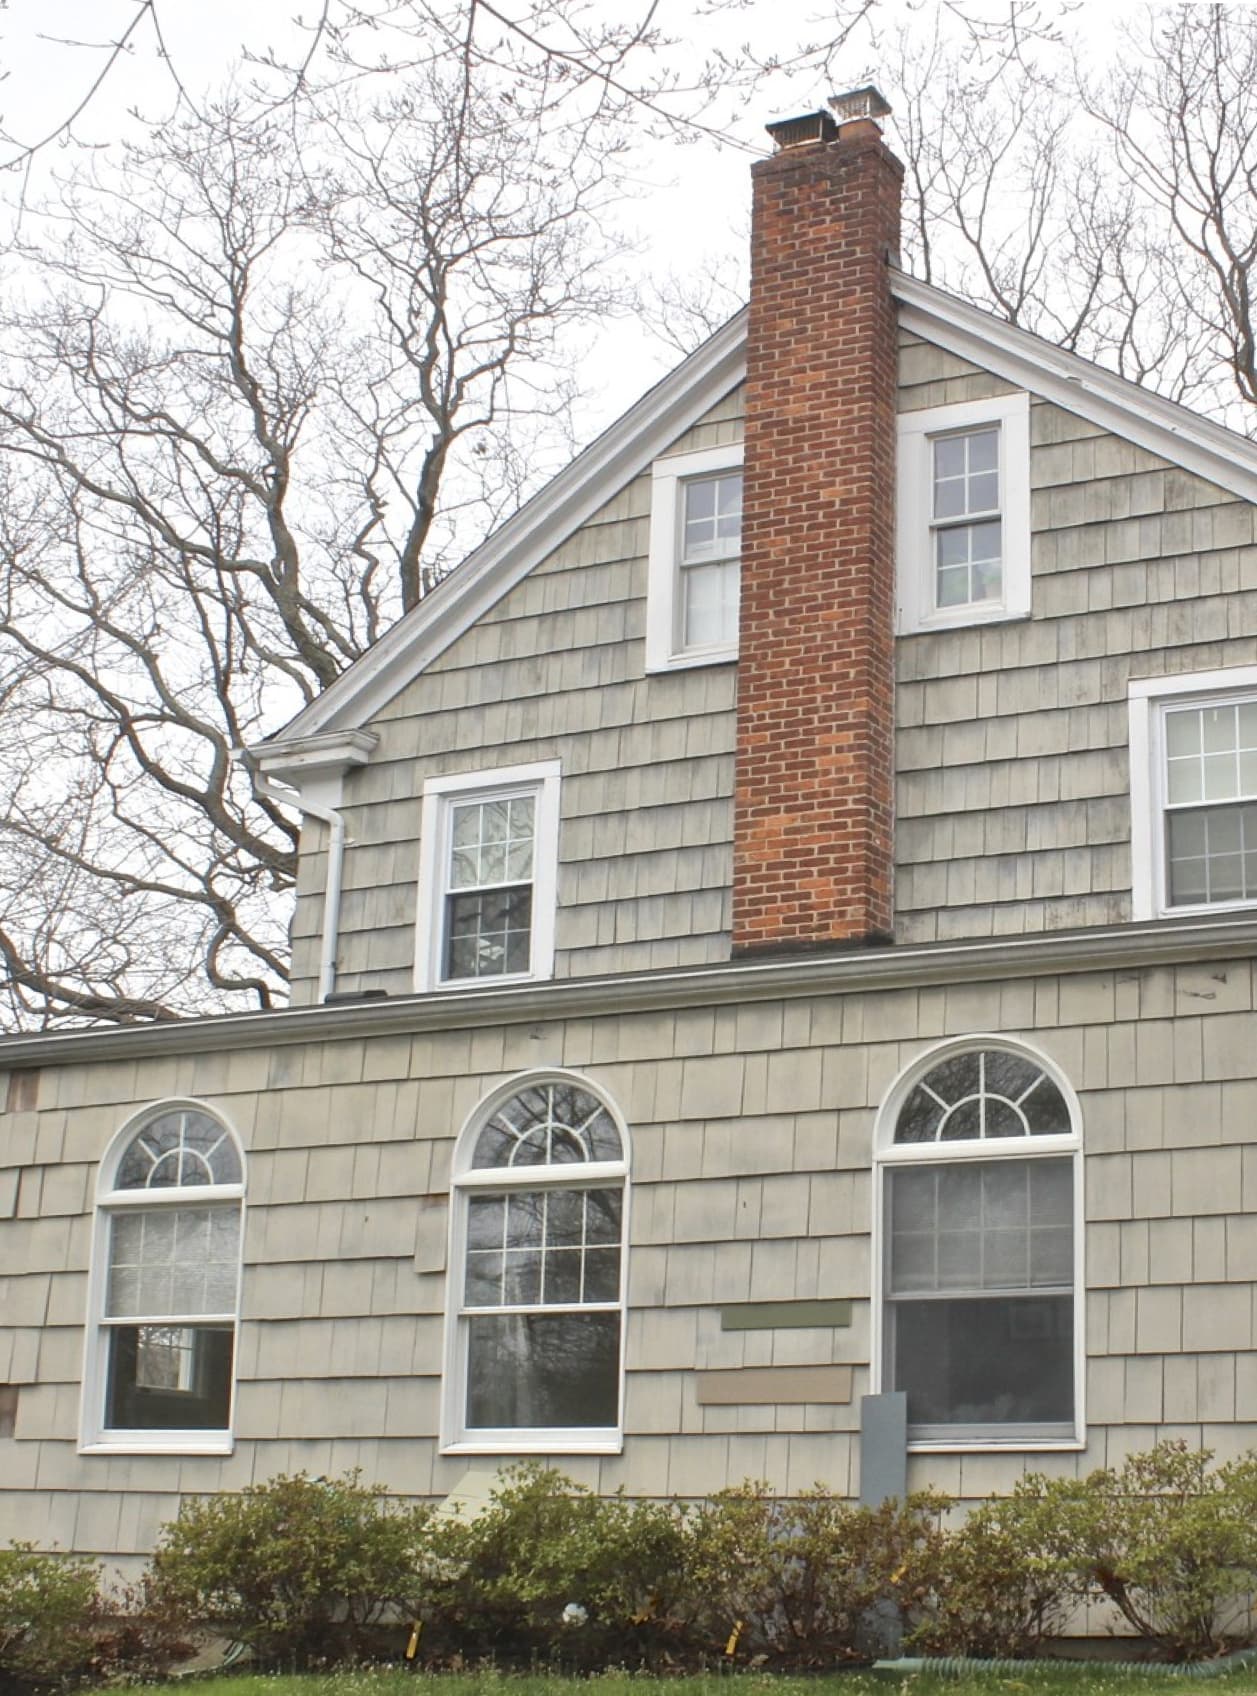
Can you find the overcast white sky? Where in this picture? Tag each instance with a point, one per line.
(695, 198)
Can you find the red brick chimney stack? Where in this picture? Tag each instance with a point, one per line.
(814, 802)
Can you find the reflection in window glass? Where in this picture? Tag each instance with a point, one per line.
(167, 1332)
(542, 1266)
(1211, 803)
(711, 542)
(984, 1093)
(543, 1370)
(968, 548)
(489, 884)
(979, 1254)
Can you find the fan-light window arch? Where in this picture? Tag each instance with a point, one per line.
(166, 1285)
(535, 1357)
(980, 1281)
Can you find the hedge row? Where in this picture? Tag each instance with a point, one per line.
(305, 1570)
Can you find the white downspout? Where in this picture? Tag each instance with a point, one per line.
(335, 821)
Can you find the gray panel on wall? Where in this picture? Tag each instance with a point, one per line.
(883, 1447)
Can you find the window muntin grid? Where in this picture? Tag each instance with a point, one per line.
(181, 1148)
(979, 1226)
(549, 1124)
(541, 1311)
(965, 517)
(489, 888)
(708, 560)
(1210, 753)
(173, 1262)
(168, 1287)
(979, 1275)
(543, 1248)
(981, 1094)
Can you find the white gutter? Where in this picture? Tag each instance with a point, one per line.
(1161, 942)
(335, 822)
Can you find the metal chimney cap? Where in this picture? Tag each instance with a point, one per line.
(796, 132)
(865, 102)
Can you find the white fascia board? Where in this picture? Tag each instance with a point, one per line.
(1136, 414)
(1194, 941)
(296, 759)
(541, 525)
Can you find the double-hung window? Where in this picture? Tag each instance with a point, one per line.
(487, 876)
(166, 1286)
(980, 1288)
(534, 1349)
(964, 513)
(1193, 747)
(695, 559)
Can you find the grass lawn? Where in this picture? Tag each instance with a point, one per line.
(1093, 1679)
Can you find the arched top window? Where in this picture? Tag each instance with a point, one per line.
(179, 1149)
(983, 1094)
(556, 1123)
(534, 1359)
(980, 1282)
(166, 1285)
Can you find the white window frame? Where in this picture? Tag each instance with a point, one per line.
(455, 1437)
(889, 1155)
(1147, 700)
(664, 648)
(540, 780)
(95, 1436)
(915, 573)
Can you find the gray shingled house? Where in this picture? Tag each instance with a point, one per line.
(774, 950)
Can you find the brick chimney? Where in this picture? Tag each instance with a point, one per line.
(814, 796)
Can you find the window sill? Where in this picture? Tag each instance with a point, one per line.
(1202, 910)
(148, 1444)
(691, 660)
(995, 1445)
(549, 1445)
(964, 618)
(452, 986)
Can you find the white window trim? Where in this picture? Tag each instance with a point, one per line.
(916, 610)
(663, 649)
(95, 1437)
(1147, 697)
(542, 780)
(464, 1180)
(888, 1154)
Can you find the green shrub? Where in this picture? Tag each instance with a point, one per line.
(300, 1569)
(1002, 1584)
(801, 1575)
(550, 1572)
(48, 1606)
(1170, 1542)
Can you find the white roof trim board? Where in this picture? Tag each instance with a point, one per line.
(630, 445)
(1114, 403)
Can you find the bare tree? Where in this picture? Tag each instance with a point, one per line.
(269, 368)
(1103, 200)
(264, 374)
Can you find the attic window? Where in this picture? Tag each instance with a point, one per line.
(695, 559)
(963, 549)
(487, 876)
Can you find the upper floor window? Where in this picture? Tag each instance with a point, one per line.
(1193, 749)
(964, 513)
(534, 1356)
(980, 1291)
(488, 867)
(166, 1286)
(695, 559)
